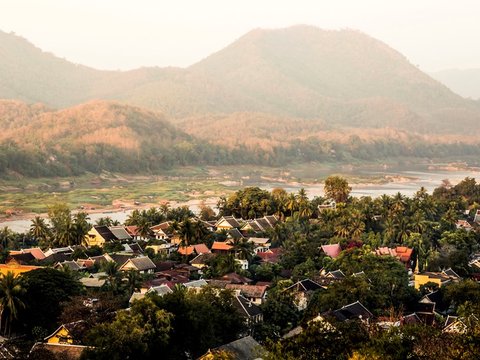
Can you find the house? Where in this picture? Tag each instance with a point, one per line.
(93, 282)
(245, 348)
(159, 290)
(62, 250)
(330, 205)
(402, 253)
(162, 231)
(458, 325)
(259, 225)
(165, 248)
(255, 293)
(332, 250)
(200, 261)
(13, 266)
(22, 258)
(141, 264)
(271, 256)
(134, 248)
(68, 333)
(133, 231)
(234, 234)
(98, 236)
(195, 285)
(36, 252)
(353, 311)
(228, 223)
(57, 351)
(260, 244)
(120, 233)
(196, 249)
(463, 224)
(335, 275)
(433, 277)
(71, 265)
(221, 247)
(303, 291)
(435, 298)
(248, 310)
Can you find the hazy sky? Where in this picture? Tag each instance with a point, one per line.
(118, 34)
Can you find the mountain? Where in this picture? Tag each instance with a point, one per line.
(270, 86)
(465, 82)
(99, 135)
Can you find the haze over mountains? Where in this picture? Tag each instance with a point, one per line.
(465, 82)
(269, 88)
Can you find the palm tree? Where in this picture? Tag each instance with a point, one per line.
(80, 227)
(5, 235)
(291, 204)
(133, 281)
(144, 228)
(11, 292)
(112, 274)
(186, 231)
(243, 248)
(39, 229)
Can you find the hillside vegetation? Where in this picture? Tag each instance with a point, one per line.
(343, 78)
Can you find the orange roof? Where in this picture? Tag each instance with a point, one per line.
(185, 250)
(219, 245)
(17, 269)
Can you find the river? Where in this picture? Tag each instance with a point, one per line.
(410, 181)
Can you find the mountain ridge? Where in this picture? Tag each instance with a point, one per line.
(342, 77)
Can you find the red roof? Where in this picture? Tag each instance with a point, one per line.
(132, 230)
(197, 248)
(37, 253)
(270, 256)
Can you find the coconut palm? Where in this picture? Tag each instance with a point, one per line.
(112, 274)
(39, 229)
(243, 248)
(11, 303)
(133, 281)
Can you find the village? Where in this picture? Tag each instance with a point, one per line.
(244, 257)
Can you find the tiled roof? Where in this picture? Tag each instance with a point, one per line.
(249, 291)
(202, 259)
(22, 258)
(105, 232)
(195, 283)
(92, 282)
(219, 245)
(332, 250)
(243, 349)
(132, 230)
(305, 285)
(120, 232)
(336, 274)
(234, 278)
(36, 252)
(354, 310)
(141, 263)
(230, 220)
(270, 256)
(72, 265)
(160, 290)
(259, 241)
(246, 307)
(121, 259)
(235, 233)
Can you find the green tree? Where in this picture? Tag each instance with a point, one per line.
(337, 188)
(11, 300)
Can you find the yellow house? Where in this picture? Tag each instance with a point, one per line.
(60, 336)
(98, 236)
(67, 333)
(16, 268)
(436, 278)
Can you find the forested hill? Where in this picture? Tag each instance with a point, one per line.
(337, 78)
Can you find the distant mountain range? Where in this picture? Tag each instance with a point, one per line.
(267, 90)
(465, 82)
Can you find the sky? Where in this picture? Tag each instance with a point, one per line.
(121, 35)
